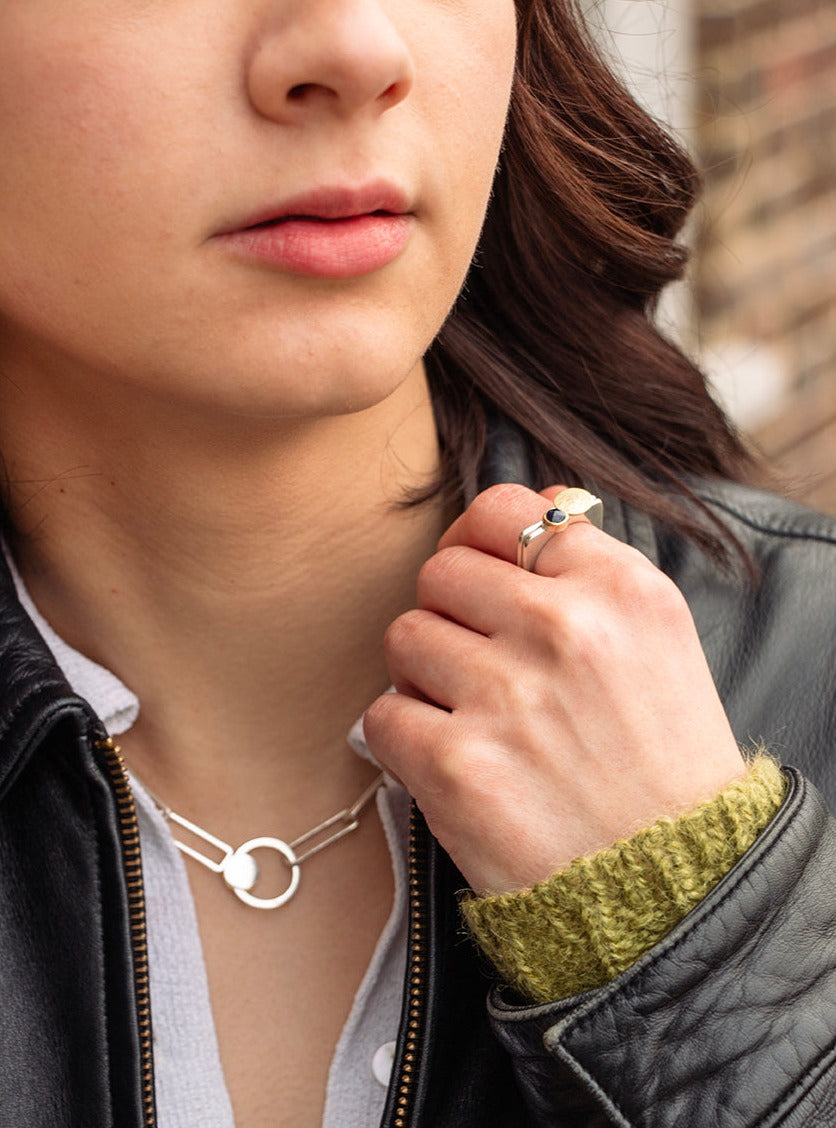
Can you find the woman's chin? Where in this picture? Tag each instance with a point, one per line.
(298, 392)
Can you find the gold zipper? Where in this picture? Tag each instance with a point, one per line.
(416, 959)
(129, 833)
(416, 956)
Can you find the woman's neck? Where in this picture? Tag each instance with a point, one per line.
(238, 579)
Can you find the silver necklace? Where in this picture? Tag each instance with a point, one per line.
(239, 868)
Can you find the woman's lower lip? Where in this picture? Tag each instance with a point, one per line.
(340, 248)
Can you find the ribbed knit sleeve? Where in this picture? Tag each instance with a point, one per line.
(584, 925)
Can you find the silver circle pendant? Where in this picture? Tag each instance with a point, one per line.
(240, 872)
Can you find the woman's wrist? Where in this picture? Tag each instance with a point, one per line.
(584, 925)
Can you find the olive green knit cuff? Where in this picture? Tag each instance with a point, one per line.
(584, 925)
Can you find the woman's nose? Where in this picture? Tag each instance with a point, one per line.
(329, 57)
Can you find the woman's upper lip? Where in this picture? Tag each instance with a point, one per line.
(334, 202)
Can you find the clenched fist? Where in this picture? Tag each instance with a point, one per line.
(542, 716)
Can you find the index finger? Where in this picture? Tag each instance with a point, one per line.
(494, 520)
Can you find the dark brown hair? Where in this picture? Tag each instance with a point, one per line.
(554, 326)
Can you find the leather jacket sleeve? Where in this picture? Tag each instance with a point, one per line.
(729, 1021)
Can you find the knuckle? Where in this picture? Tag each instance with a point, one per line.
(502, 496)
(651, 590)
(378, 717)
(588, 638)
(627, 576)
(639, 585)
(496, 503)
(525, 599)
(402, 632)
(513, 688)
(454, 762)
(673, 608)
(443, 566)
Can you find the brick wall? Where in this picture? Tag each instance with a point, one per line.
(765, 267)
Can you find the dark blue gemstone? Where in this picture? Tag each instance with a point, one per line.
(555, 517)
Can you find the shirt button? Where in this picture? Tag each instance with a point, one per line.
(382, 1063)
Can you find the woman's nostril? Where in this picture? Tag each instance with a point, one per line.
(297, 93)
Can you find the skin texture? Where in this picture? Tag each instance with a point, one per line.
(204, 456)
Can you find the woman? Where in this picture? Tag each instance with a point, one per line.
(233, 346)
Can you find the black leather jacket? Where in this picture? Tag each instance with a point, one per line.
(729, 1022)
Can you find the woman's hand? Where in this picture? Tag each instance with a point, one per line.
(539, 717)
